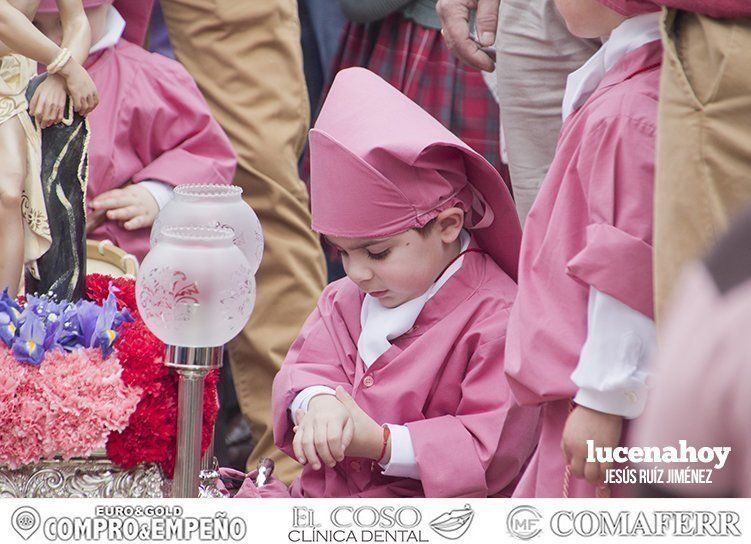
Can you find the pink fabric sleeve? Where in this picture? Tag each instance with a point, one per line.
(610, 253)
(617, 173)
(713, 8)
(174, 133)
(479, 450)
(274, 489)
(313, 359)
(137, 16)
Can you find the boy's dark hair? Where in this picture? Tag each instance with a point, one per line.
(426, 228)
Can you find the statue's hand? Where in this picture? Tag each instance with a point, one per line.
(81, 87)
(132, 206)
(48, 103)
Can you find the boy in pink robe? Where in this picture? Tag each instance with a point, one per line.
(152, 130)
(582, 327)
(395, 386)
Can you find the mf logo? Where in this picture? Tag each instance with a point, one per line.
(524, 522)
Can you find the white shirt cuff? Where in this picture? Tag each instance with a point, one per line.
(402, 463)
(302, 399)
(613, 366)
(162, 192)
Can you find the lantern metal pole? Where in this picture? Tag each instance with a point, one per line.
(192, 365)
(207, 461)
(209, 474)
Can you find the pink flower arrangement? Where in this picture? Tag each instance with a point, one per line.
(66, 406)
(96, 382)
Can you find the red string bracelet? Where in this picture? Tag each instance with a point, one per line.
(386, 435)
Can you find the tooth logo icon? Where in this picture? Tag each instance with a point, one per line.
(25, 521)
(452, 525)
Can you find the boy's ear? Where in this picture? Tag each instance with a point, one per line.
(450, 223)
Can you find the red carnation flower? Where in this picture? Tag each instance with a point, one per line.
(151, 435)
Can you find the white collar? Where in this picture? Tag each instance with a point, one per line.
(115, 26)
(630, 35)
(380, 325)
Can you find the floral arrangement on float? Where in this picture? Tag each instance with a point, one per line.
(85, 376)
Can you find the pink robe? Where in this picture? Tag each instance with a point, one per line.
(591, 226)
(713, 8)
(443, 379)
(137, 15)
(152, 123)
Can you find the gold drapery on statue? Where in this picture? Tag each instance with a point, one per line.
(15, 73)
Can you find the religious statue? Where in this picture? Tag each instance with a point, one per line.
(36, 190)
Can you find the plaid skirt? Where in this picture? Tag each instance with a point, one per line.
(415, 60)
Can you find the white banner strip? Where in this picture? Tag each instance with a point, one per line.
(282, 521)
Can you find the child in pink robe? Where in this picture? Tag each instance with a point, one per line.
(152, 130)
(582, 327)
(395, 386)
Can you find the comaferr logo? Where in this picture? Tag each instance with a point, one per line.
(526, 523)
(639, 523)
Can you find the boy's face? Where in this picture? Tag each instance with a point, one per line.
(588, 18)
(402, 267)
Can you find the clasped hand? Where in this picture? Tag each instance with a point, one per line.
(604, 430)
(335, 426)
(48, 103)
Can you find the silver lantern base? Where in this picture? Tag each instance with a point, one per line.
(192, 366)
(91, 477)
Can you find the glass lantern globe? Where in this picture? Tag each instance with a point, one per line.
(205, 205)
(195, 288)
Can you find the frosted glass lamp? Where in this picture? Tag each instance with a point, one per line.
(213, 206)
(195, 292)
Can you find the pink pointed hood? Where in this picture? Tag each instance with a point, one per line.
(630, 8)
(381, 165)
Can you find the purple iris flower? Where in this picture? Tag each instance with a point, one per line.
(9, 307)
(68, 331)
(29, 345)
(36, 306)
(109, 320)
(45, 324)
(5, 298)
(87, 314)
(7, 328)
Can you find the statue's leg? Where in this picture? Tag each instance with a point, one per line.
(12, 174)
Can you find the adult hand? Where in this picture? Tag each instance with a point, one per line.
(132, 206)
(454, 15)
(586, 424)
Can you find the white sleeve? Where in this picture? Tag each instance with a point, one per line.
(301, 400)
(613, 366)
(162, 192)
(402, 462)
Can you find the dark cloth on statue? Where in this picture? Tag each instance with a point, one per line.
(62, 269)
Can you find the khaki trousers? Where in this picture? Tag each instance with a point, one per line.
(536, 53)
(246, 58)
(703, 174)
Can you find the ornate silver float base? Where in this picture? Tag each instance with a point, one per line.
(92, 478)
